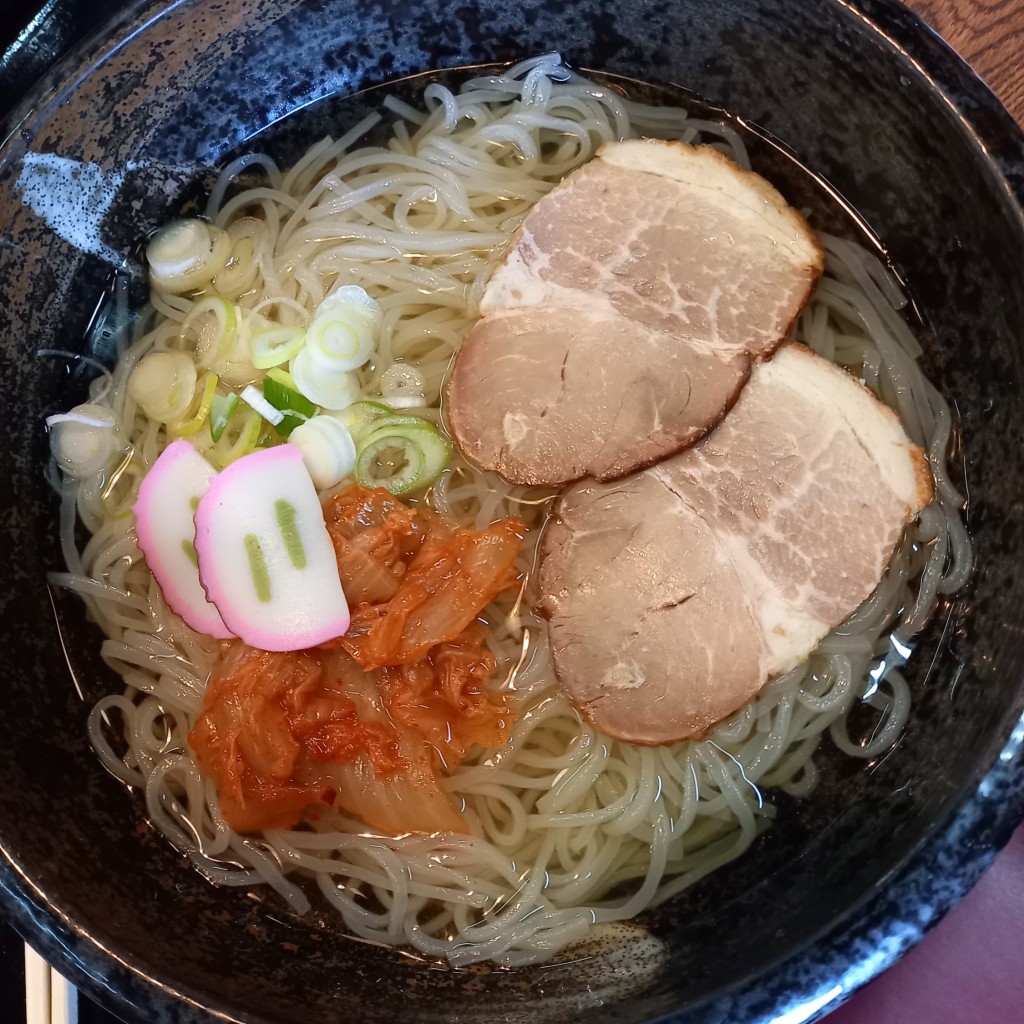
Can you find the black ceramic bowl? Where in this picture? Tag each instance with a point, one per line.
(850, 877)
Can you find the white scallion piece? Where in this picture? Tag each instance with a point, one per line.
(339, 343)
(253, 397)
(221, 331)
(345, 330)
(83, 440)
(328, 450)
(324, 388)
(352, 295)
(186, 254)
(272, 346)
(163, 384)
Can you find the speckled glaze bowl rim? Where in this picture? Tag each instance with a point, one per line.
(874, 931)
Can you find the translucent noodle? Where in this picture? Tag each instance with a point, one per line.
(569, 828)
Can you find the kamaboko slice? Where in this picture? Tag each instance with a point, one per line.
(265, 557)
(168, 496)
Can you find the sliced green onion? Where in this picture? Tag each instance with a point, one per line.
(83, 440)
(296, 409)
(358, 300)
(175, 248)
(343, 334)
(221, 409)
(402, 457)
(283, 377)
(398, 419)
(436, 447)
(275, 346)
(214, 321)
(219, 327)
(289, 421)
(239, 438)
(187, 254)
(163, 384)
(359, 417)
(329, 390)
(239, 273)
(286, 398)
(393, 462)
(337, 341)
(204, 395)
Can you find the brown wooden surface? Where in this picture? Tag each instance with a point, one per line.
(989, 34)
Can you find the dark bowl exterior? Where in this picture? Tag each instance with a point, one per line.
(863, 94)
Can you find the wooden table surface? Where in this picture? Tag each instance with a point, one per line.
(990, 35)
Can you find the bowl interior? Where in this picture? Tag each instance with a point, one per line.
(154, 111)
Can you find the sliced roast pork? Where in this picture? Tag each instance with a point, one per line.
(676, 593)
(621, 326)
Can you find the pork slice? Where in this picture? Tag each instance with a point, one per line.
(631, 579)
(655, 268)
(561, 393)
(732, 560)
(675, 236)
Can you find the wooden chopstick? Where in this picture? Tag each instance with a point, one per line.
(49, 999)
